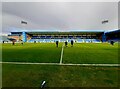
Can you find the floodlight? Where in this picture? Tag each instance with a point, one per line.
(105, 21)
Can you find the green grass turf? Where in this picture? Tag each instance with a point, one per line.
(48, 53)
(58, 76)
(91, 53)
(30, 52)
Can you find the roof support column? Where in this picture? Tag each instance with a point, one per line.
(24, 36)
(103, 37)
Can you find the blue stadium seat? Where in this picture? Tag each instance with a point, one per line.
(69, 40)
(47, 40)
(96, 41)
(80, 40)
(88, 40)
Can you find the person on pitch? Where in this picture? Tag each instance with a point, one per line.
(57, 43)
(66, 43)
(72, 43)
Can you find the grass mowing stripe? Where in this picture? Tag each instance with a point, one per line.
(39, 52)
(61, 54)
(91, 54)
(59, 76)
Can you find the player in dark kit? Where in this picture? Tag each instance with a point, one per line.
(13, 42)
(56, 43)
(112, 42)
(66, 43)
(22, 43)
(72, 43)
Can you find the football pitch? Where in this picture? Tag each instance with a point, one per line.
(29, 64)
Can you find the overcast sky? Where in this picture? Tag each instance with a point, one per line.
(60, 16)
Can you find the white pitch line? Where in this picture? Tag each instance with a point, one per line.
(28, 63)
(59, 64)
(61, 54)
(93, 64)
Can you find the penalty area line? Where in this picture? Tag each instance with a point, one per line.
(25, 63)
(28, 63)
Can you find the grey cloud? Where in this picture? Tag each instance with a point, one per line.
(63, 16)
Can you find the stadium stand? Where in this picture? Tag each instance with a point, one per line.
(80, 40)
(4, 38)
(87, 40)
(96, 41)
(113, 36)
(80, 37)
